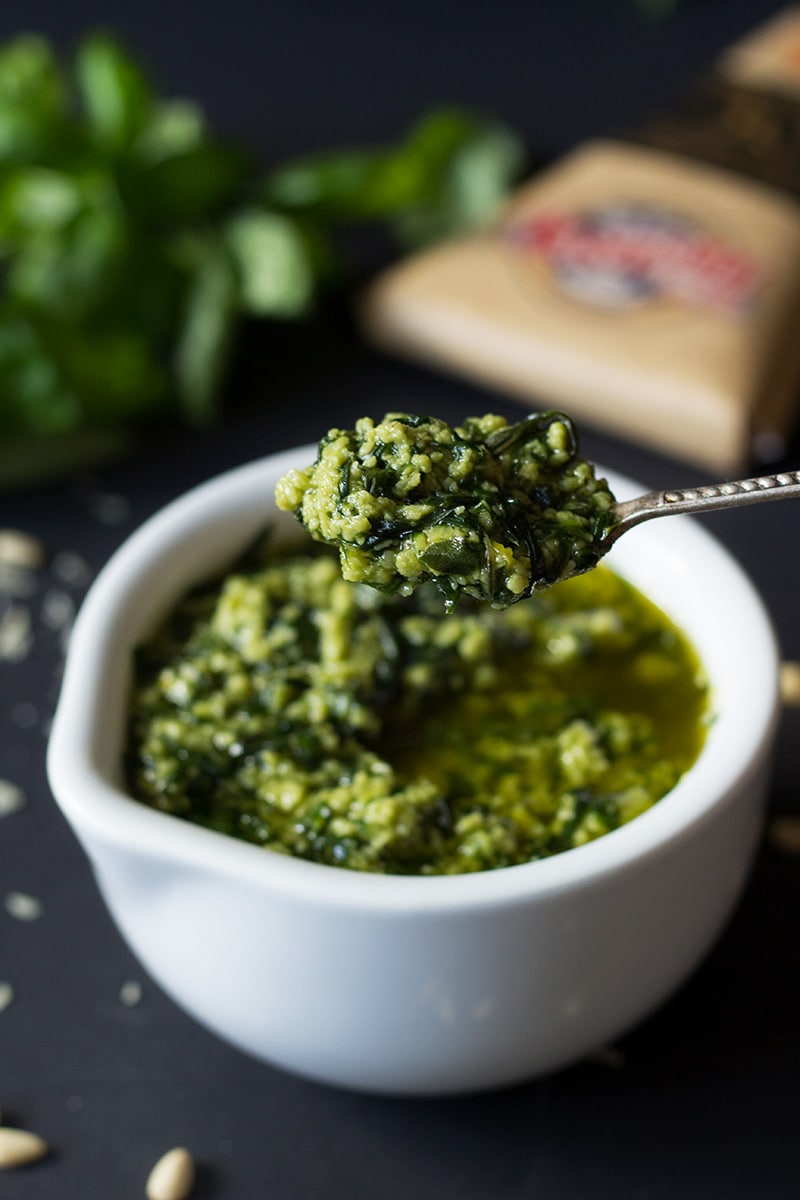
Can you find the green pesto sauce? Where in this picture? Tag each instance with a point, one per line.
(327, 720)
(487, 509)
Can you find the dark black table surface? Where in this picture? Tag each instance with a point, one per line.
(701, 1101)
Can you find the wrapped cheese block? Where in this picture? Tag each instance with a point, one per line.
(649, 286)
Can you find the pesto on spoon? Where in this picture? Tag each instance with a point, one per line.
(486, 509)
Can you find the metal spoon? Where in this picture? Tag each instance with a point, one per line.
(701, 499)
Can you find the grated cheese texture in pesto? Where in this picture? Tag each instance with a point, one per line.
(487, 509)
(323, 719)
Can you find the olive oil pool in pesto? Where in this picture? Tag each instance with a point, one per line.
(325, 719)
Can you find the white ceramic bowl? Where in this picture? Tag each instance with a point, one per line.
(415, 985)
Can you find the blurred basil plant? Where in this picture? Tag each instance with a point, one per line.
(133, 242)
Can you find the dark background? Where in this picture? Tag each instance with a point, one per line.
(699, 1103)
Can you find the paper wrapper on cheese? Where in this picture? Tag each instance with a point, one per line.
(648, 295)
(649, 285)
(743, 114)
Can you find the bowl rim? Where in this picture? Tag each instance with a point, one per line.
(103, 815)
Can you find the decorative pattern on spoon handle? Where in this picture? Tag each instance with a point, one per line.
(781, 486)
(721, 495)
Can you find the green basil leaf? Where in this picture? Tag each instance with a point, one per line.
(33, 398)
(197, 185)
(434, 139)
(174, 127)
(27, 459)
(481, 173)
(472, 185)
(54, 380)
(414, 175)
(18, 338)
(33, 103)
(72, 273)
(29, 75)
(272, 264)
(116, 95)
(445, 176)
(206, 336)
(333, 185)
(149, 288)
(37, 199)
(113, 370)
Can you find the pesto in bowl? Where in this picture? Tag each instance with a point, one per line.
(324, 719)
(406, 983)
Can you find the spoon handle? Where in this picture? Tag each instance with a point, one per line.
(703, 499)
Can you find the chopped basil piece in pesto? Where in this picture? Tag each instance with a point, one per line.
(326, 720)
(487, 509)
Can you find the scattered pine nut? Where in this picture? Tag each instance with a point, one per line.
(19, 549)
(58, 609)
(19, 1147)
(130, 993)
(790, 684)
(12, 798)
(6, 994)
(16, 633)
(784, 833)
(172, 1177)
(23, 907)
(71, 569)
(17, 582)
